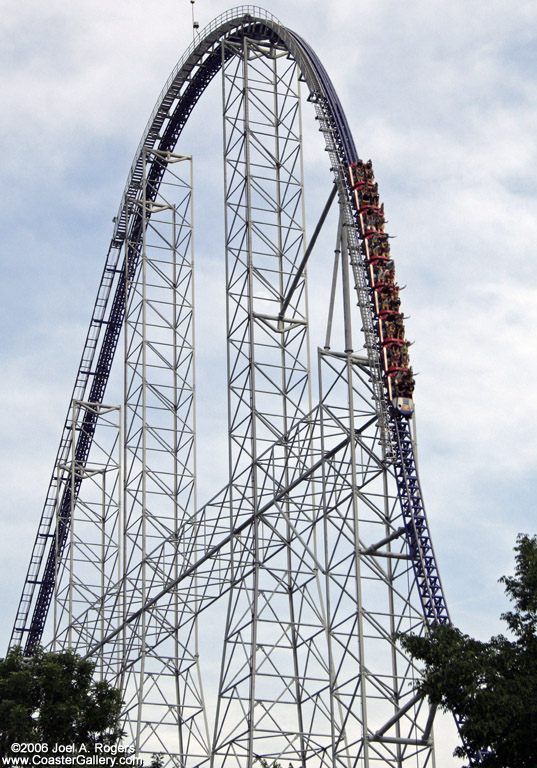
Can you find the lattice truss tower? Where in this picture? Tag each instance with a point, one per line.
(262, 622)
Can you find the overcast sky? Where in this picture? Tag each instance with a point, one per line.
(441, 94)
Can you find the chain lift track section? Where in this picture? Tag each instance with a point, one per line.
(183, 89)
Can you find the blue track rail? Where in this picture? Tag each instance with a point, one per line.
(404, 461)
(416, 526)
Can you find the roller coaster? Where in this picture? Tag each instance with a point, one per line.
(261, 624)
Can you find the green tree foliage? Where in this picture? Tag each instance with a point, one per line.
(53, 698)
(490, 687)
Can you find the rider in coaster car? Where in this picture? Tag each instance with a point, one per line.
(405, 382)
(395, 357)
(389, 329)
(368, 168)
(399, 329)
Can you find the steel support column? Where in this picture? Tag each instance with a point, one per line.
(164, 710)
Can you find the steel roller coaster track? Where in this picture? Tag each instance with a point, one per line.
(202, 61)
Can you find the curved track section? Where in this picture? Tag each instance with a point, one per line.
(179, 97)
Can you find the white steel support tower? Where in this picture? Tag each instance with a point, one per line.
(92, 556)
(161, 680)
(260, 624)
(269, 395)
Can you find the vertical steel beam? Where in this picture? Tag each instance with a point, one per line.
(93, 551)
(269, 392)
(164, 705)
